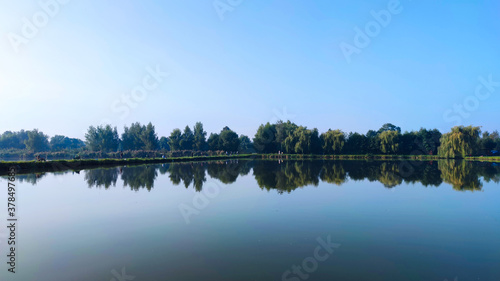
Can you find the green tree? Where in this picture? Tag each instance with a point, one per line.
(245, 145)
(489, 142)
(164, 143)
(373, 142)
(214, 142)
(229, 140)
(102, 138)
(389, 127)
(306, 141)
(59, 142)
(265, 139)
(200, 135)
(37, 141)
(410, 144)
(13, 140)
(149, 138)
(429, 140)
(283, 129)
(356, 144)
(460, 142)
(187, 139)
(389, 141)
(333, 141)
(175, 139)
(131, 137)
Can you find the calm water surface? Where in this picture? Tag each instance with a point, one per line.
(259, 220)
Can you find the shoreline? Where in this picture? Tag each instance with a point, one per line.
(26, 167)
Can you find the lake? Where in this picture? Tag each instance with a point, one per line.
(258, 220)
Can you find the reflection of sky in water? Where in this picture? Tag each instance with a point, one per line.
(68, 231)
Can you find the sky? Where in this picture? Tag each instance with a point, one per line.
(349, 65)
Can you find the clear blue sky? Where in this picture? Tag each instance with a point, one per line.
(261, 61)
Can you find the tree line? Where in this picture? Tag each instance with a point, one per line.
(284, 137)
(144, 137)
(37, 141)
(460, 142)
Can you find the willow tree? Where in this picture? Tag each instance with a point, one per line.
(303, 141)
(460, 142)
(332, 141)
(462, 175)
(389, 141)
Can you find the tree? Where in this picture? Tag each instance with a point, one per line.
(200, 135)
(175, 140)
(282, 131)
(373, 142)
(37, 141)
(356, 144)
(228, 140)
(13, 140)
(410, 144)
(187, 139)
(389, 127)
(303, 141)
(59, 142)
(265, 139)
(489, 142)
(164, 143)
(149, 138)
(110, 139)
(213, 142)
(332, 141)
(92, 139)
(131, 137)
(428, 140)
(389, 141)
(460, 142)
(245, 144)
(102, 138)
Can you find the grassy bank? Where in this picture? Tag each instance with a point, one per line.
(23, 167)
(62, 165)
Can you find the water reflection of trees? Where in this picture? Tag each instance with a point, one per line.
(225, 171)
(139, 176)
(33, 179)
(286, 176)
(188, 173)
(30, 178)
(289, 175)
(464, 175)
(101, 177)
